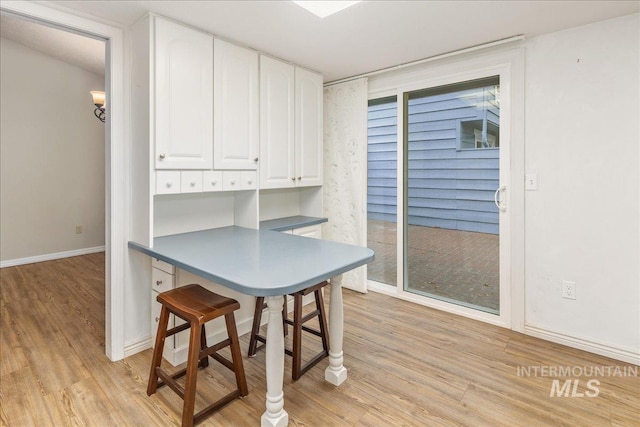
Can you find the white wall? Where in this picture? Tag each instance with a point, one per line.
(582, 225)
(52, 156)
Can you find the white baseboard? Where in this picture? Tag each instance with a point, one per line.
(49, 257)
(623, 355)
(137, 346)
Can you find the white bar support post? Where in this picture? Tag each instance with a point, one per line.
(336, 373)
(275, 415)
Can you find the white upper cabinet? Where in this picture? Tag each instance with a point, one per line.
(235, 107)
(276, 123)
(308, 128)
(291, 126)
(183, 97)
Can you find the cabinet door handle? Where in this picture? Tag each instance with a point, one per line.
(162, 156)
(233, 182)
(255, 160)
(169, 184)
(299, 178)
(214, 182)
(157, 319)
(192, 183)
(293, 179)
(158, 282)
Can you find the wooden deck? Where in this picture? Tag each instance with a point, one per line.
(408, 365)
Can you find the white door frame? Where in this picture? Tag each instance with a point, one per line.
(116, 146)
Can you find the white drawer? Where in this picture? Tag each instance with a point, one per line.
(167, 182)
(212, 181)
(161, 281)
(169, 342)
(191, 181)
(231, 180)
(249, 180)
(164, 266)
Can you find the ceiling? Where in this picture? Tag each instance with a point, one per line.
(368, 36)
(83, 52)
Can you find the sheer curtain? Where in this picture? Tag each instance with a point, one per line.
(345, 170)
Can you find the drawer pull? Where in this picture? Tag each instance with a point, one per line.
(158, 282)
(192, 183)
(169, 184)
(233, 182)
(214, 182)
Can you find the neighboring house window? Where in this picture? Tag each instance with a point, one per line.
(471, 134)
(482, 131)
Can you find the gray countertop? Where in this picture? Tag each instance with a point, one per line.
(291, 222)
(257, 262)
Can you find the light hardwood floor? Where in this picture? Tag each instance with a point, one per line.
(408, 365)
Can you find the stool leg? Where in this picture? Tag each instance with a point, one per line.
(236, 354)
(322, 319)
(156, 360)
(191, 377)
(203, 346)
(297, 336)
(255, 329)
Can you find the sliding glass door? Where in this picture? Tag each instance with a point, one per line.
(452, 152)
(434, 216)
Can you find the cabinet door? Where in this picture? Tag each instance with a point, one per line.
(183, 97)
(276, 123)
(236, 109)
(308, 128)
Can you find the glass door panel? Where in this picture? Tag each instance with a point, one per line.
(382, 190)
(452, 152)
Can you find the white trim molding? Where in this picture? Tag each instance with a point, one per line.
(622, 354)
(117, 161)
(50, 257)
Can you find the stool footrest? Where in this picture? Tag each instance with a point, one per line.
(312, 331)
(170, 380)
(311, 363)
(215, 406)
(210, 351)
(177, 329)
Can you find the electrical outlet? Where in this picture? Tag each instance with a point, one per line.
(568, 289)
(78, 229)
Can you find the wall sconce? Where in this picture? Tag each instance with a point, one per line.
(99, 102)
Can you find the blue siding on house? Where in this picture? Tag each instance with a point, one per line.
(382, 149)
(449, 187)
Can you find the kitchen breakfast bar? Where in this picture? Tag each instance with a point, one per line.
(269, 264)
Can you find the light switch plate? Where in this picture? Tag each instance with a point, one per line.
(531, 181)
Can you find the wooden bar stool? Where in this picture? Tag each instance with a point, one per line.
(196, 306)
(297, 323)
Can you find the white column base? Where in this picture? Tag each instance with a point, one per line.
(335, 377)
(336, 373)
(275, 415)
(280, 421)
